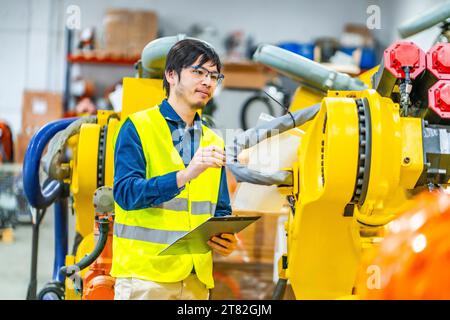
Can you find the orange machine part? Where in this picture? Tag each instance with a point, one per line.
(6, 143)
(413, 260)
(97, 282)
(100, 288)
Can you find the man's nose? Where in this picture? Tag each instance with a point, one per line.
(207, 80)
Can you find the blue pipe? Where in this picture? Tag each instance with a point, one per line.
(61, 235)
(38, 198)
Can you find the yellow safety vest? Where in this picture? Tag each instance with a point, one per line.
(139, 235)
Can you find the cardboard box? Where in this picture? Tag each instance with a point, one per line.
(20, 146)
(245, 75)
(257, 241)
(247, 273)
(40, 108)
(237, 281)
(115, 34)
(357, 35)
(127, 32)
(142, 30)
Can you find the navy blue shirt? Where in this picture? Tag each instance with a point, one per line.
(132, 191)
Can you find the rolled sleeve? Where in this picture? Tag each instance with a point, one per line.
(167, 187)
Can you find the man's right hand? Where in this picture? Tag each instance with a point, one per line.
(204, 158)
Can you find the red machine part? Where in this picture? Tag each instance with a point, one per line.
(404, 54)
(6, 143)
(97, 282)
(438, 60)
(413, 260)
(439, 98)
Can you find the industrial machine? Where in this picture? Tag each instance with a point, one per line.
(368, 149)
(78, 175)
(370, 145)
(365, 153)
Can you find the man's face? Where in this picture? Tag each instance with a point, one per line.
(195, 86)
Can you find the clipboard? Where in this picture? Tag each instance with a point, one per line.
(195, 241)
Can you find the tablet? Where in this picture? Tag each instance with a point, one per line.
(195, 241)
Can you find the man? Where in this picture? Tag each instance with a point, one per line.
(169, 178)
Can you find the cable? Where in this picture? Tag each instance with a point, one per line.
(286, 109)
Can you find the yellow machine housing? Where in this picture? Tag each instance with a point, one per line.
(356, 163)
(91, 170)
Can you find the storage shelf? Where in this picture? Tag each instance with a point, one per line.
(103, 60)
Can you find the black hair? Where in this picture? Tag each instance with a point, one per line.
(184, 53)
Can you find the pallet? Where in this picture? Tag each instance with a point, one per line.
(6, 235)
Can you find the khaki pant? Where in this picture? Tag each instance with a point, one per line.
(137, 289)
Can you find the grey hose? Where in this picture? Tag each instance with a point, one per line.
(259, 133)
(425, 20)
(305, 70)
(50, 161)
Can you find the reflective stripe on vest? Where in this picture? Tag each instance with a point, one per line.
(176, 204)
(202, 207)
(146, 234)
(182, 204)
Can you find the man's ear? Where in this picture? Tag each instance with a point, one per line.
(171, 76)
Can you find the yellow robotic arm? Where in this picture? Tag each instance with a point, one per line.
(369, 150)
(363, 158)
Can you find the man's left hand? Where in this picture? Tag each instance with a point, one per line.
(224, 245)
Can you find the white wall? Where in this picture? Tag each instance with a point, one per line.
(267, 20)
(15, 21)
(30, 54)
(396, 12)
(32, 32)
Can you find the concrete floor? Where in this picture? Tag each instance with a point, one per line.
(15, 258)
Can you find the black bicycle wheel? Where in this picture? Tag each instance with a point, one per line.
(252, 108)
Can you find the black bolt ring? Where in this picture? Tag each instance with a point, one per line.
(101, 157)
(363, 122)
(322, 150)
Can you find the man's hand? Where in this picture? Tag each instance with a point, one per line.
(204, 158)
(224, 245)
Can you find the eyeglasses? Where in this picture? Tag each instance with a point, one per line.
(201, 73)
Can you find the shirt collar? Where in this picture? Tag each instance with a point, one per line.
(170, 114)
